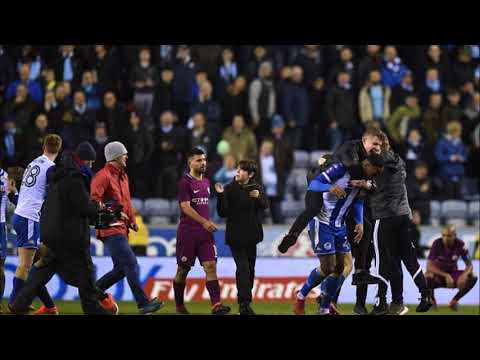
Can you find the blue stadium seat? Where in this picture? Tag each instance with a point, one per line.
(138, 204)
(301, 158)
(474, 212)
(435, 210)
(157, 207)
(454, 211)
(316, 155)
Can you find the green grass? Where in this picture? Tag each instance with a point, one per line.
(203, 308)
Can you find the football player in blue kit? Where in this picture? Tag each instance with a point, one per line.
(328, 231)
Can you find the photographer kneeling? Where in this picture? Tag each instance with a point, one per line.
(242, 203)
(65, 232)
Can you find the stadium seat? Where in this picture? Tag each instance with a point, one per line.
(435, 210)
(157, 207)
(474, 212)
(301, 159)
(138, 204)
(292, 209)
(469, 189)
(316, 155)
(454, 211)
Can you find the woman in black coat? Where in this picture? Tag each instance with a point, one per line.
(242, 203)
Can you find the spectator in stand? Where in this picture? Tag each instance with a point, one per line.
(311, 60)
(31, 57)
(372, 61)
(473, 169)
(345, 64)
(12, 145)
(62, 95)
(414, 150)
(400, 92)
(341, 112)
(316, 138)
(139, 143)
(68, 65)
(207, 57)
(283, 155)
(403, 119)
(374, 100)
(259, 56)
(7, 72)
(164, 56)
(420, 192)
(432, 120)
(472, 110)
(228, 171)
(451, 155)
(34, 88)
(113, 115)
(163, 99)
(48, 80)
(201, 135)
(169, 143)
(452, 110)
(393, 69)
(51, 110)
(224, 176)
(463, 69)
(78, 122)
(262, 101)
(228, 72)
(210, 108)
(433, 84)
(144, 80)
(241, 139)
(437, 60)
(138, 240)
(235, 101)
(34, 136)
(92, 91)
(295, 107)
(99, 141)
(21, 108)
(107, 68)
(183, 83)
(269, 179)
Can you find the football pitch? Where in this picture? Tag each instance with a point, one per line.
(203, 308)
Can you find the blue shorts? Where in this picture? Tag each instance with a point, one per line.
(327, 240)
(28, 232)
(3, 241)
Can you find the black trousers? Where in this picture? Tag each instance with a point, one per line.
(75, 270)
(244, 257)
(392, 246)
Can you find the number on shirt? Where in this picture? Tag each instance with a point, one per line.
(31, 175)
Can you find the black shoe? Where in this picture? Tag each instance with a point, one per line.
(288, 241)
(397, 309)
(360, 310)
(220, 309)
(151, 307)
(381, 309)
(426, 301)
(245, 309)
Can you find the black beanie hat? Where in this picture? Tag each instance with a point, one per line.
(86, 152)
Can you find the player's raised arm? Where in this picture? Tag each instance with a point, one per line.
(222, 203)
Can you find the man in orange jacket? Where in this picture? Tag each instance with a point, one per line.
(110, 187)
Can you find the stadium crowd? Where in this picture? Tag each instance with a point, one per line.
(238, 102)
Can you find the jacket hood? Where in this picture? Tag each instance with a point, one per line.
(66, 167)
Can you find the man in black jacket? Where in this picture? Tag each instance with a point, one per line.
(66, 215)
(242, 202)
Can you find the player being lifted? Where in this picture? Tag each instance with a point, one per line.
(195, 233)
(27, 216)
(328, 231)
